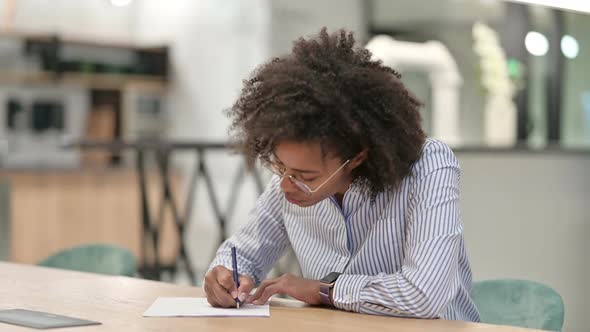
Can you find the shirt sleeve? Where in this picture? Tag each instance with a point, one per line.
(428, 279)
(261, 241)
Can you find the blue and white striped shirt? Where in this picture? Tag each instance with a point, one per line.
(403, 255)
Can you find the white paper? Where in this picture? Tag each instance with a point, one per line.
(198, 307)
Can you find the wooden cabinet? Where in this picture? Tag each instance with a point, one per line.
(52, 210)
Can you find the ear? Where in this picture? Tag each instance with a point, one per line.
(357, 160)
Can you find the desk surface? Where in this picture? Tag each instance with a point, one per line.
(118, 302)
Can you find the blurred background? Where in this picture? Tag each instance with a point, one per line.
(112, 130)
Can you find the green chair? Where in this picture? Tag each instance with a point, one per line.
(95, 258)
(518, 303)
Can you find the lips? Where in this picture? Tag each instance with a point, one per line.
(292, 200)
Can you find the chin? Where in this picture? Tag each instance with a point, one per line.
(305, 204)
(301, 203)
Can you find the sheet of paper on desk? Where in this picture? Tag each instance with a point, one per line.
(198, 307)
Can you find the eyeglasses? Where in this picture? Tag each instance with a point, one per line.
(280, 171)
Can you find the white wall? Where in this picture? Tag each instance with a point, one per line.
(215, 44)
(293, 19)
(96, 19)
(434, 13)
(527, 216)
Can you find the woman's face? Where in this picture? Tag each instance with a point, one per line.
(304, 163)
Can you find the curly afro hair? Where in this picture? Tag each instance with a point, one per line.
(331, 92)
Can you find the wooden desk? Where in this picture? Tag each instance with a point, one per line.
(118, 302)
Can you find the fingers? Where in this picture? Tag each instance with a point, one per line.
(246, 286)
(218, 286)
(223, 298)
(211, 297)
(268, 292)
(266, 289)
(225, 278)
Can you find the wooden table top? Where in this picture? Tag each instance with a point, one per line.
(119, 302)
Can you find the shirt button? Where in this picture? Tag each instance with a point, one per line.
(347, 297)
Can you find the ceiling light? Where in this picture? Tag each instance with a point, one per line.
(120, 3)
(569, 47)
(536, 43)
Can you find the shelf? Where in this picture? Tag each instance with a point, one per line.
(523, 149)
(118, 145)
(220, 145)
(150, 61)
(80, 40)
(93, 81)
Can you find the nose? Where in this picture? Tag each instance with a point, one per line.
(287, 186)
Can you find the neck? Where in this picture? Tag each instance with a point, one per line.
(339, 194)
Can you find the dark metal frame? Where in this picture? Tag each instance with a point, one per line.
(163, 151)
(555, 79)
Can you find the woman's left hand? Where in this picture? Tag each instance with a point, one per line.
(302, 289)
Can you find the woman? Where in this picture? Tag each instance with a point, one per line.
(369, 205)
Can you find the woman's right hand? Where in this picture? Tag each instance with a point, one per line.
(221, 289)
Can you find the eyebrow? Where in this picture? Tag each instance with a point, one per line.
(305, 171)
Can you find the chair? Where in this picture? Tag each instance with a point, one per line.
(519, 303)
(95, 258)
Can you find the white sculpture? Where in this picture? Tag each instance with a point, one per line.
(500, 113)
(435, 59)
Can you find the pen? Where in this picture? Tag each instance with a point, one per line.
(234, 263)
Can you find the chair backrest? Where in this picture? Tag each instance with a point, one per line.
(519, 303)
(95, 258)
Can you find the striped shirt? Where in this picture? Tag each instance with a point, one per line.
(401, 255)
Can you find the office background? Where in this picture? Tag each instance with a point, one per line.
(149, 70)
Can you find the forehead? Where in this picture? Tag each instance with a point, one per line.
(303, 155)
